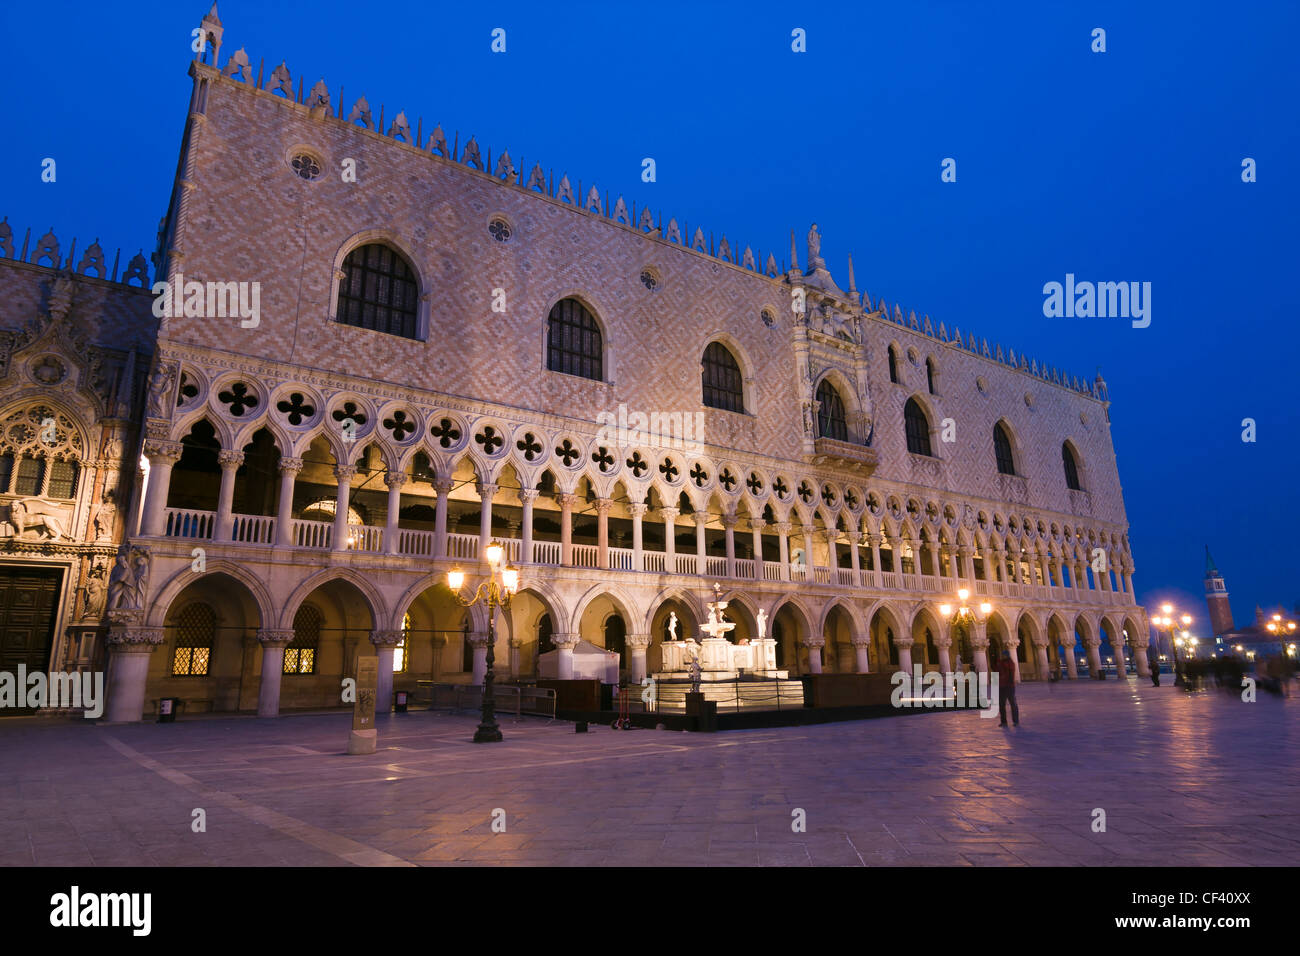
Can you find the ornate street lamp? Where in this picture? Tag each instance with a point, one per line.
(1280, 628)
(1167, 618)
(963, 616)
(501, 585)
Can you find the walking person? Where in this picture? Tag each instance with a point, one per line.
(1007, 690)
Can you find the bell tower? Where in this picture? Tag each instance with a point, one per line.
(1216, 597)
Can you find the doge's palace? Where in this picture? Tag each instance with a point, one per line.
(371, 349)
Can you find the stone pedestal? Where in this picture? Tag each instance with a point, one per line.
(129, 648)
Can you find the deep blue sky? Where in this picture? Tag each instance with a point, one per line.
(1117, 166)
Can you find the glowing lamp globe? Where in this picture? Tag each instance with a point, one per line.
(455, 579)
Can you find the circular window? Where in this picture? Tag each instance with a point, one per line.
(499, 229)
(306, 165)
(768, 318)
(649, 280)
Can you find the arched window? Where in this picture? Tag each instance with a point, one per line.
(918, 428)
(300, 656)
(196, 628)
(830, 413)
(616, 638)
(929, 375)
(1071, 468)
(544, 631)
(1002, 450)
(893, 648)
(378, 291)
(893, 365)
(573, 341)
(722, 383)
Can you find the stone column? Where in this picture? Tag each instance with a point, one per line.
(833, 554)
(485, 492)
(638, 509)
(1044, 666)
(443, 487)
(527, 496)
(875, 559)
(289, 468)
(385, 644)
(1140, 654)
(636, 645)
(904, 645)
(729, 528)
(979, 642)
(268, 690)
(602, 531)
(783, 539)
(1093, 645)
(966, 562)
(479, 641)
(162, 456)
(394, 480)
(809, 561)
(756, 525)
(814, 645)
(943, 642)
(990, 565)
(1121, 662)
(516, 650)
(860, 651)
(344, 475)
(854, 537)
(565, 643)
(566, 529)
(229, 462)
(129, 647)
(670, 538)
(701, 555)
(1071, 667)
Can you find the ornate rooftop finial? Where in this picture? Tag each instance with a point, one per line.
(212, 30)
(794, 253)
(853, 289)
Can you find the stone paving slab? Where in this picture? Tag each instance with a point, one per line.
(1197, 780)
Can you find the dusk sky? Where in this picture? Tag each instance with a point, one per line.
(1117, 166)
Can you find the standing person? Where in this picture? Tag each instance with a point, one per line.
(1153, 655)
(1007, 690)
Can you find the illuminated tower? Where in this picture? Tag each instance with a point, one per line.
(1216, 597)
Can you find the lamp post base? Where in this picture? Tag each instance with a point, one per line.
(487, 734)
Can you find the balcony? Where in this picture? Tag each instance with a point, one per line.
(844, 454)
(308, 535)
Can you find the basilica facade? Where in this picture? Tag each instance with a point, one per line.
(367, 351)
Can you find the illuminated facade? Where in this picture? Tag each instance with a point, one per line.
(448, 349)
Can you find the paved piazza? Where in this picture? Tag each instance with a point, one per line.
(1202, 780)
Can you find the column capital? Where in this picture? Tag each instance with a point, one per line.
(904, 641)
(134, 640)
(227, 458)
(567, 500)
(864, 640)
(854, 536)
(1092, 641)
(344, 472)
(486, 488)
(603, 505)
(701, 517)
(290, 464)
(528, 494)
(394, 479)
(565, 641)
(729, 519)
(670, 514)
(783, 527)
(271, 637)
(478, 638)
(638, 508)
(638, 640)
(442, 486)
(818, 640)
(386, 638)
(163, 451)
(757, 524)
